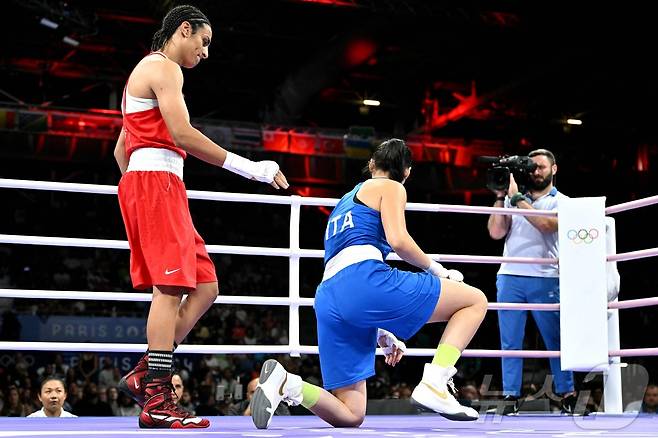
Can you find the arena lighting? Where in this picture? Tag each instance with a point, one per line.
(574, 122)
(48, 23)
(71, 41)
(370, 102)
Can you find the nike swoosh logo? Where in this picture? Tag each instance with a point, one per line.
(136, 383)
(168, 272)
(440, 394)
(283, 384)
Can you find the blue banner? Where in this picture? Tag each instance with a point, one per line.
(82, 329)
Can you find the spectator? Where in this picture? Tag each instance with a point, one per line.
(183, 398)
(649, 404)
(29, 402)
(13, 406)
(113, 399)
(91, 405)
(208, 405)
(59, 367)
(74, 394)
(87, 368)
(109, 375)
(242, 407)
(185, 402)
(52, 396)
(228, 381)
(177, 383)
(126, 406)
(469, 392)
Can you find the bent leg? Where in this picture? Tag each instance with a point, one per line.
(464, 307)
(346, 407)
(193, 307)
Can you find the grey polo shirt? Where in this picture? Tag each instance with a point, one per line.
(524, 240)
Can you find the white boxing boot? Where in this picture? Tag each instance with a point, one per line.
(432, 393)
(275, 385)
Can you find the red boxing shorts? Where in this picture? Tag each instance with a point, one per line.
(165, 248)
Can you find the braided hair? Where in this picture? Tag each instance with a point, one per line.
(173, 19)
(394, 157)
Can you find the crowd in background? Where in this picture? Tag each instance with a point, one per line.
(92, 389)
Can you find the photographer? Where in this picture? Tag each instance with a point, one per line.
(529, 236)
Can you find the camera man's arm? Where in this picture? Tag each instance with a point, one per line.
(499, 224)
(543, 224)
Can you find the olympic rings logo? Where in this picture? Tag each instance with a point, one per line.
(583, 235)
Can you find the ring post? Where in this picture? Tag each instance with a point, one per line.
(293, 320)
(612, 391)
(583, 289)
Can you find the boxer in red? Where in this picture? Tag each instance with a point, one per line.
(166, 252)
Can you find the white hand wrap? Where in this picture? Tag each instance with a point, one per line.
(438, 270)
(263, 171)
(387, 340)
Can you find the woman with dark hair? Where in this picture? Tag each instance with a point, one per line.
(167, 253)
(13, 406)
(52, 396)
(362, 302)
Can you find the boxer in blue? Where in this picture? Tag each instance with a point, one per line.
(362, 302)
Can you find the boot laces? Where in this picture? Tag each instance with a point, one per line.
(170, 399)
(451, 385)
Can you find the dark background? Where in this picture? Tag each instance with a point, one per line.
(503, 73)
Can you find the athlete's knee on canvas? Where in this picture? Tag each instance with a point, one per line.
(354, 420)
(355, 403)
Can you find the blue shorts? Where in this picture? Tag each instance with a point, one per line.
(354, 303)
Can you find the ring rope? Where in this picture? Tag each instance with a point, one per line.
(253, 250)
(632, 205)
(294, 253)
(266, 199)
(275, 199)
(144, 297)
(285, 349)
(633, 255)
(274, 301)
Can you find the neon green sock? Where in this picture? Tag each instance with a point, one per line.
(446, 356)
(310, 394)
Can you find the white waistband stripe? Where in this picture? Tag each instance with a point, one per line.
(156, 159)
(349, 256)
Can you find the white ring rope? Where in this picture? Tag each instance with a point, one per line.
(273, 301)
(293, 253)
(252, 250)
(633, 255)
(285, 349)
(632, 205)
(275, 199)
(143, 297)
(633, 304)
(249, 197)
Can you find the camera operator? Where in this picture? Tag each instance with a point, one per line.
(530, 236)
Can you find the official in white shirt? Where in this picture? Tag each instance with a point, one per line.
(52, 396)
